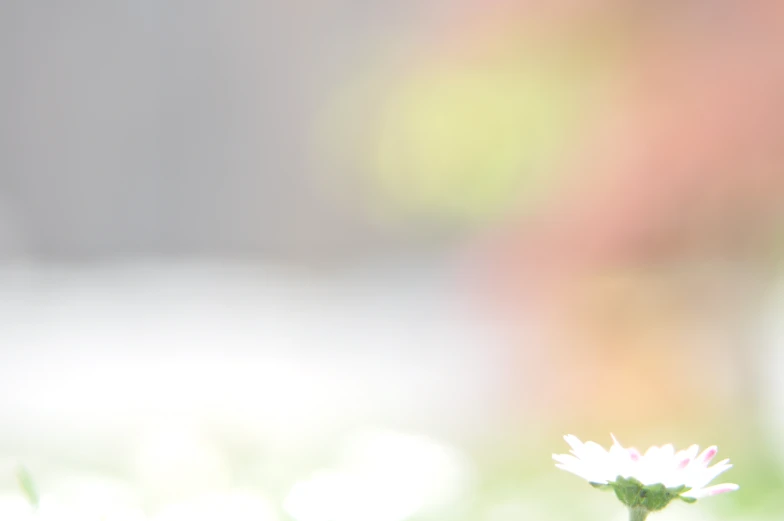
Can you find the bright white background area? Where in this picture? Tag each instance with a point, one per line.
(163, 383)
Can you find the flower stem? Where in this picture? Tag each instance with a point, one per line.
(638, 514)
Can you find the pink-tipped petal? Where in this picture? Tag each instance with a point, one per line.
(713, 490)
(707, 455)
(684, 457)
(634, 454)
(721, 488)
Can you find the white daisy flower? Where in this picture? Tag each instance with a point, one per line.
(649, 481)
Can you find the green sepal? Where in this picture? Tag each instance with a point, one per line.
(634, 494)
(600, 486)
(677, 490)
(687, 499)
(629, 491)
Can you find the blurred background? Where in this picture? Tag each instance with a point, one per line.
(341, 260)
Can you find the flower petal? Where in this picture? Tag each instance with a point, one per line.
(707, 455)
(704, 477)
(712, 490)
(667, 451)
(583, 472)
(684, 457)
(634, 454)
(566, 459)
(574, 442)
(660, 466)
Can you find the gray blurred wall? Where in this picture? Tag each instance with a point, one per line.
(176, 127)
